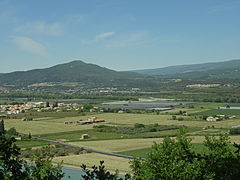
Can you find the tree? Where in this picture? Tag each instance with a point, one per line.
(12, 131)
(14, 168)
(2, 129)
(29, 136)
(43, 168)
(100, 173)
(47, 104)
(175, 159)
(87, 107)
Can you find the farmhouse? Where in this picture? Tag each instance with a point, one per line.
(84, 122)
(99, 120)
(217, 118)
(90, 120)
(85, 136)
(68, 122)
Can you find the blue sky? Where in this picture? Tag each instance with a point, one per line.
(117, 34)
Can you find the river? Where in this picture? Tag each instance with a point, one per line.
(72, 174)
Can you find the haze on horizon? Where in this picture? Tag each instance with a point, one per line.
(120, 35)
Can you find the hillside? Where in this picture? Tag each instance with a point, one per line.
(217, 70)
(75, 71)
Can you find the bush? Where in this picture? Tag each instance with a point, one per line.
(235, 131)
(139, 125)
(12, 131)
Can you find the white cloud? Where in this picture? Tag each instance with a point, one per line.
(129, 41)
(29, 45)
(105, 35)
(42, 27)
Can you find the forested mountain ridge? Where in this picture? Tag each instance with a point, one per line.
(75, 71)
(96, 76)
(216, 70)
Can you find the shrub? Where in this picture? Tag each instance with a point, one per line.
(139, 125)
(235, 130)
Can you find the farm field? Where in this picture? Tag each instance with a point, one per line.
(119, 144)
(42, 126)
(49, 125)
(194, 108)
(134, 144)
(90, 159)
(31, 143)
(197, 147)
(220, 111)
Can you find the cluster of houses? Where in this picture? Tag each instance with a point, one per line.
(202, 85)
(14, 109)
(4, 90)
(91, 120)
(40, 107)
(21, 108)
(219, 117)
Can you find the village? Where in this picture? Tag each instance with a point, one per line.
(41, 107)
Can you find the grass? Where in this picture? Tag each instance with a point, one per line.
(137, 152)
(30, 143)
(73, 136)
(198, 147)
(142, 153)
(76, 135)
(112, 163)
(200, 139)
(35, 114)
(43, 127)
(118, 144)
(49, 125)
(213, 112)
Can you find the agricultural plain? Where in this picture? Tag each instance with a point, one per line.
(138, 131)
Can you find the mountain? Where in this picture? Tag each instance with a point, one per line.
(75, 71)
(91, 75)
(216, 70)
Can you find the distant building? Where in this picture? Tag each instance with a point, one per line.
(85, 136)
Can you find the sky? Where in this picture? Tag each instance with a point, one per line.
(117, 34)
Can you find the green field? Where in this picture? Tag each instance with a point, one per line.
(30, 143)
(214, 112)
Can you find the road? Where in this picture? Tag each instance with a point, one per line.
(86, 149)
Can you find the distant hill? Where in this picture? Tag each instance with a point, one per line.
(216, 70)
(75, 71)
(91, 75)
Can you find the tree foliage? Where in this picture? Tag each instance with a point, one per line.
(98, 172)
(175, 159)
(12, 167)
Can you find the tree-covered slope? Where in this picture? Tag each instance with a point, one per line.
(218, 70)
(75, 71)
